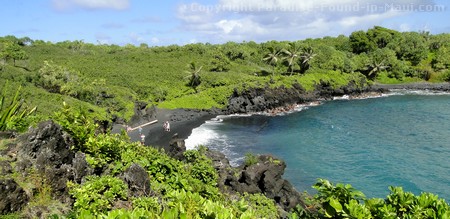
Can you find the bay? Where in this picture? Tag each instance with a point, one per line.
(399, 140)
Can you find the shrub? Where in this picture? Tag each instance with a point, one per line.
(77, 124)
(13, 115)
(250, 159)
(97, 194)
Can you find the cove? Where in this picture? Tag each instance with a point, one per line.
(399, 140)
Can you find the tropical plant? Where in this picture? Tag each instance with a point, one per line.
(272, 58)
(97, 194)
(380, 60)
(341, 200)
(12, 50)
(250, 159)
(307, 54)
(14, 113)
(77, 123)
(291, 55)
(194, 75)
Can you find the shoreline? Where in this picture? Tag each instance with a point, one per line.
(183, 121)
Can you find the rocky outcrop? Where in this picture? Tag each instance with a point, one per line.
(46, 148)
(13, 197)
(143, 113)
(138, 180)
(176, 148)
(265, 177)
(48, 145)
(263, 99)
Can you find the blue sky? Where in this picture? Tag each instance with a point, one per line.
(214, 21)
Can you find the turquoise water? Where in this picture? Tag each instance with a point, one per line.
(399, 140)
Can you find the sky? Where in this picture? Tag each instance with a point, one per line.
(159, 23)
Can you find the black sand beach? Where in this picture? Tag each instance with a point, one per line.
(183, 121)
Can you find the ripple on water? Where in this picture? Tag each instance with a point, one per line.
(399, 140)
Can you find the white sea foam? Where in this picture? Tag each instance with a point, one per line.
(202, 135)
(345, 97)
(206, 135)
(416, 92)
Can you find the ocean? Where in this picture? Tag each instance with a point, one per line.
(400, 140)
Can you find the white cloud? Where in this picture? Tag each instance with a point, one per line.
(91, 4)
(155, 40)
(135, 38)
(262, 20)
(405, 27)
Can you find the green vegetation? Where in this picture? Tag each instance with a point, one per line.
(13, 115)
(185, 189)
(108, 79)
(99, 82)
(188, 189)
(343, 201)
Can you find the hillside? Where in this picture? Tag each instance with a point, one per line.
(60, 160)
(108, 79)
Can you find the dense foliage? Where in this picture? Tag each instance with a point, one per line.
(188, 188)
(104, 81)
(13, 114)
(343, 201)
(108, 79)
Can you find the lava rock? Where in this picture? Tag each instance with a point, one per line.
(138, 180)
(13, 197)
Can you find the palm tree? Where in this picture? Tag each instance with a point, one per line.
(306, 56)
(379, 61)
(194, 75)
(272, 58)
(290, 55)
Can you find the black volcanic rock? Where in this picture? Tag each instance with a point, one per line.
(263, 177)
(262, 99)
(138, 180)
(13, 197)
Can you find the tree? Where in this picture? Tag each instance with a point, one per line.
(360, 42)
(13, 51)
(194, 75)
(441, 60)
(328, 58)
(291, 55)
(380, 60)
(306, 56)
(272, 58)
(411, 46)
(381, 36)
(53, 77)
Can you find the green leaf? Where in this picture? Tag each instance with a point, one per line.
(336, 205)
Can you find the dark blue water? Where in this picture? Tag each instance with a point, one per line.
(371, 143)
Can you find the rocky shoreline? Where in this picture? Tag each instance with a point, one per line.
(269, 101)
(46, 148)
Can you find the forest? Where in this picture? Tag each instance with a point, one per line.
(76, 83)
(108, 79)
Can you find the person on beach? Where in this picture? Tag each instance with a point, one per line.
(142, 139)
(128, 128)
(140, 130)
(166, 126)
